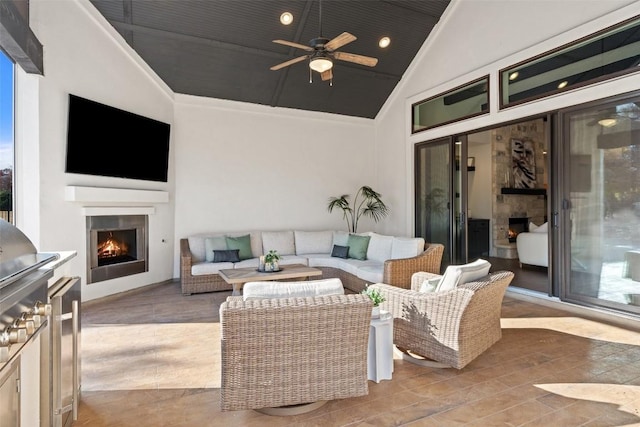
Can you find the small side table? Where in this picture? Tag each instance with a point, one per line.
(380, 354)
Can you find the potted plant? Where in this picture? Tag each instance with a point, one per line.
(370, 205)
(377, 298)
(271, 261)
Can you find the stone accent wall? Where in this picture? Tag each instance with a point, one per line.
(506, 206)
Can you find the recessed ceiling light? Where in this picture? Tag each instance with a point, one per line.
(513, 75)
(384, 42)
(562, 84)
(286, 18)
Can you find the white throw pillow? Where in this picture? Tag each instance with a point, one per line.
(430, 285)
(474, 271)
(533, 226)
(449, 279)
(542, 229)
(456, 275)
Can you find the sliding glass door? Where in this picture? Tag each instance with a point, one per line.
(439, 208)
(600, 216)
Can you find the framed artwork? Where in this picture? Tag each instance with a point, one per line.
(523, 163)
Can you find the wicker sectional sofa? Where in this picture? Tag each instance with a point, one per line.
(389, 259)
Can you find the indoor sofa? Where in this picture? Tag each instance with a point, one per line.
(533, 246)
(388, 259)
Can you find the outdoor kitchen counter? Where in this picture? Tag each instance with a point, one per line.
(63, 258)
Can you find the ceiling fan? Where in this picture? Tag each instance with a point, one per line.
(323, 51)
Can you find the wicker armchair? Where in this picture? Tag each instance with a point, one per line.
(451, 328)
(293, 351)
(398, 272)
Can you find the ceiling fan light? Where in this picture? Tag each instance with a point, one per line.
(320, 64)
(286, 18)
(607, 122)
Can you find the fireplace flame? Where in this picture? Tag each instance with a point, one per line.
(111, 248)
(512, 234)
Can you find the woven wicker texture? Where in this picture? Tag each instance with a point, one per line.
(278, 352)
(452, 327)
(396, 272)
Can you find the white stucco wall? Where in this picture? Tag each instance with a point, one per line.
(81, 57)
(250, 167)
(475, 38)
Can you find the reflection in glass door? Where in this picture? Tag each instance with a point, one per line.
(601, 205)
(433, 194)
(438, 201)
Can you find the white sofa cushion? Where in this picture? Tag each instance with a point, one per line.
(313, 242)
(293, 259)
(406, 247)
(204, 267)
(371, 273)
(279, 241)
(379, 247)
(300, 289)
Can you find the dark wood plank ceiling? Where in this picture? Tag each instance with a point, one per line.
(223, 48)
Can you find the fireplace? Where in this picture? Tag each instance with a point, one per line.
(517, 226)
(117, 246)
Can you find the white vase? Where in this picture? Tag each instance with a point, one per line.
(375, 312)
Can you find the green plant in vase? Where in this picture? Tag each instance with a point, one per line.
(376, 298)
(271, 261)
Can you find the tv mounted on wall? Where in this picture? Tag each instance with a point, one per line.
(107, 141)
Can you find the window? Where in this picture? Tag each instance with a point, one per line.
(604, 55)
(6, 137)
(468, 100)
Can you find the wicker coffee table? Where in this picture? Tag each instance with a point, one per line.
(238, 276)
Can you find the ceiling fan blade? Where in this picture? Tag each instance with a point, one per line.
(326, 75)
(289, 62)
(292, 44)
(340, 41)
(358, 59)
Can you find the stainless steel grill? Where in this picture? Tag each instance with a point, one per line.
(24, 310)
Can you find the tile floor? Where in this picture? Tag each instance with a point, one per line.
(150, 357)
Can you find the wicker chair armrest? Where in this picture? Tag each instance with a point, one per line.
(185, 252)
(398, 272)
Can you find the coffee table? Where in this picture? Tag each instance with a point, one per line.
(238, 276)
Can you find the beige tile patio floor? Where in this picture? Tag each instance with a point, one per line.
(150, 357)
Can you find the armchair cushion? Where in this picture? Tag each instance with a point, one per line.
(274, 289)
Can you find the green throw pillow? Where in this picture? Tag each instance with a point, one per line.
(218, 243)
(243, 243)
(358, 246)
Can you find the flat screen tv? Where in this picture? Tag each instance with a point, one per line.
(107, 141)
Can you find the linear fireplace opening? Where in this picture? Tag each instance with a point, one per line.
(117, 246)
